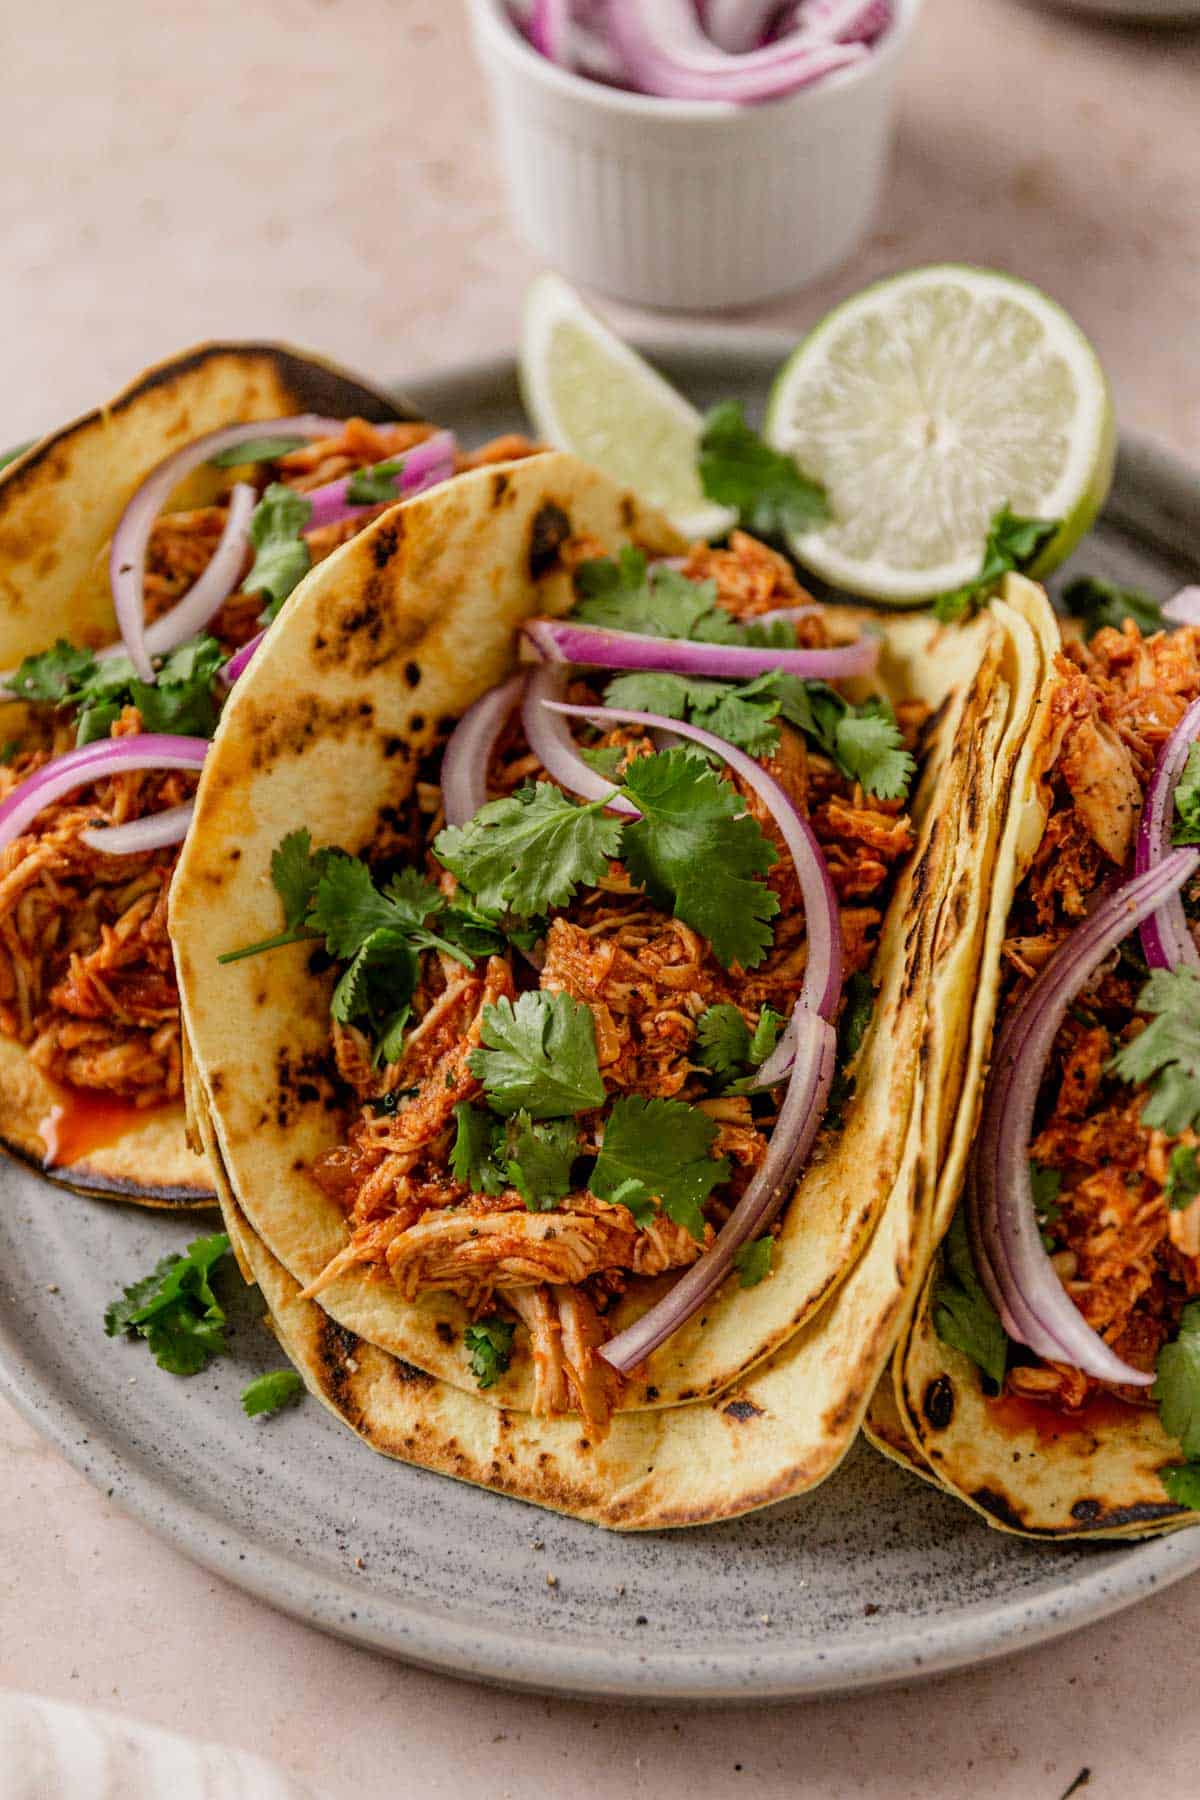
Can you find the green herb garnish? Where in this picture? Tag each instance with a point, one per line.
(963, 1316)
(1098, 603)
(659, 1150)
(1186, 829)
(1013, 544)
(1046, 1184)
(753, 1261)
(539, 1056)
(1183, 1178)
(489, 1345)
(376, 486)
(256, 450)
(267, 1393)
(281, 556)
(1177, 1387)
(175, 1309)
(765, 487)
(1167, 1053)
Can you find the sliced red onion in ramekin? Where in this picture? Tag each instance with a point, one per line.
(843, 21)
(127, 557)
(139, 835)
(1166, 935)
(795, 1132)
(426, 465)
(823, 970)
(598, 647)
(736, 26)
(469, 750)
(95, 762)
(550, 30)
(1012, 1260)
(666, 53)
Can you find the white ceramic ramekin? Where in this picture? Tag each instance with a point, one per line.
(686, 204)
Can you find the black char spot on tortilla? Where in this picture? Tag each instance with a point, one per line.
(938, 1402)
(742, 1410)
(547, 534)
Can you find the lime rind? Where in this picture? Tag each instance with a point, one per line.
(591, 394)
(925, 403)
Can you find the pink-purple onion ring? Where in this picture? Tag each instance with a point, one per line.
(598, 647)
(95, 762)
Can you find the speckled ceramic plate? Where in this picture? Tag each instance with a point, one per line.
(873, 1579)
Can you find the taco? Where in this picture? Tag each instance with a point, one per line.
(571, 1107)
(142, 550)
(1051, 1374)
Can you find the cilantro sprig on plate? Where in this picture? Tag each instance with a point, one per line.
(534, 1157)
(180, 701)
(489, 1345)
(175, 1309)
(659, 1150)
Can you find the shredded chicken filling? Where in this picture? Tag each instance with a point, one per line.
(1128, 1261)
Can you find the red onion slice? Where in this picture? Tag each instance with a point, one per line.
(1184, 607)
(844, 21)
(736, 26)
(1035, 1306)
(209, 593)
(549, 29)
(1166, 935)
(94, 762)
(127, 557)
(823, 970)
(550, 740)
(666, 53)
(241, 659)
(150, 833)
(424, 466)
(469, 750)
(791, 1141)
(560, 640)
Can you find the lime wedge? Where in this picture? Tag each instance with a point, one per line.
(925, 404)
(589, 393)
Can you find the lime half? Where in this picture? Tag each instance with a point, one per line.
(589, 393)
(925, 404)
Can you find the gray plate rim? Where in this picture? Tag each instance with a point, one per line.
(439, 1641)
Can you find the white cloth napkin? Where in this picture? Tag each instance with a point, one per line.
(51, 1751)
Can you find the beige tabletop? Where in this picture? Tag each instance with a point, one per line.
(322, 170)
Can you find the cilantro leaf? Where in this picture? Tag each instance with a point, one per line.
(869, 750)
(256, 450)
(696, 848)
(376, 486)
(663, 1147)
(723, 1039)
(1183, 1177)
(539, 1159)
(267, 1393)
(10, 456)
(1177, 1387)
(1167, 1052)
(489, 1344)
(1186, 829)
(622, 594)
(1046, 1184)
(8, 750)
(765, 1035)
(530, 851)
(1012, 543)
(47, 678)
(1099, 603)
(857, 1006)
(963, 1316)
(296, 870)
(175, 1309)
(753, 1261)
(281, 556)
(473, 1158)
(539, 1056)
(743, 715)
(606, 759)
(1182, 1482)
(770, 495)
